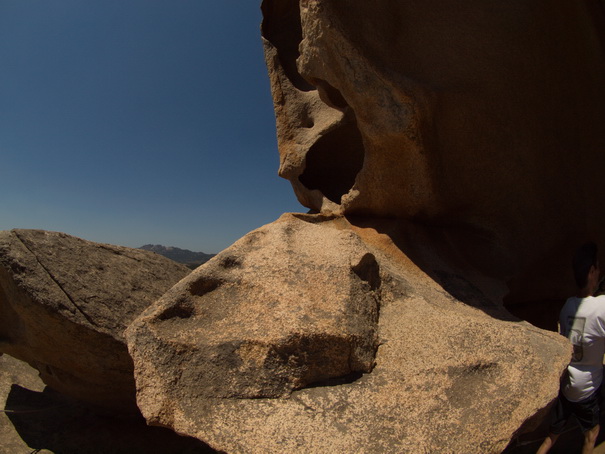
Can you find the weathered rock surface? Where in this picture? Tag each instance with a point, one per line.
(64, 304)
(275, 346)
(482, 120)
(13, 371)
(283, 308)
(37, 419)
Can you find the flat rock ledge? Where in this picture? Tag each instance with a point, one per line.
(64, 304)
(313, 335)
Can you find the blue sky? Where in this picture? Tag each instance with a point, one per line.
(137, 121)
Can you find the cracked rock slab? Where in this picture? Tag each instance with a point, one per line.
(64, 304)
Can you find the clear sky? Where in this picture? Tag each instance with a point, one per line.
(137, 121)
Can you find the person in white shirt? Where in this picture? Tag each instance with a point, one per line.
(582, 321)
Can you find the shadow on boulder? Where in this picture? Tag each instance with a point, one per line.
(49, 420)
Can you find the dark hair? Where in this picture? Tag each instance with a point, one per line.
(583, 259)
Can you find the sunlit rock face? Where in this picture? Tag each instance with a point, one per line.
(452, 153)
(64, 303)
(481, 120)
(312, 335)
(289, 305)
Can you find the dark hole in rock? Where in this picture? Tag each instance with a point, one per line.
(336, 381)
(203, 286)
(230, 262)
(177, 311)
(334, 160)
(282, 27)
(330, 95)
(368, 270)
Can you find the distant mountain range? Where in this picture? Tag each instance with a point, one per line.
(185, 256)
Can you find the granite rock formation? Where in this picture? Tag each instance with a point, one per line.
(458, 147)
(289, 305)
(312, 334)
(452, 154)
(481, 119)
(64, 304)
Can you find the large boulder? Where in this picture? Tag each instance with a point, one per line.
(283, 308)
(64, 304)
(313, 335)
(481, 119)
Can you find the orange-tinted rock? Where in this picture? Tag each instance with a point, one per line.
(462, 144)
(482, 120)
(265, 349)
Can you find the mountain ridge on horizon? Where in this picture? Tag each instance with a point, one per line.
(189, 258)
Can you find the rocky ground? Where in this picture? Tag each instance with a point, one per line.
(38, 420)
(35, 419)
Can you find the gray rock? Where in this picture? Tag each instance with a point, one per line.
(64, 304)
(36, 419)
(14, 372)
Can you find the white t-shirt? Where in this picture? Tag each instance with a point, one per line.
(582, 321)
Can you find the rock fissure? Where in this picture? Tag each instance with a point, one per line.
(54, 279)
(78, 352)
(423, 118)
(334, 161)
(282, 28)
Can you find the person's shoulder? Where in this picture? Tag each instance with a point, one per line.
(597, 303)
(597, 300)
(571, 303)
(598, 310)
